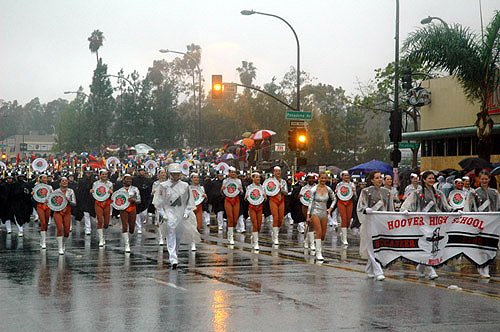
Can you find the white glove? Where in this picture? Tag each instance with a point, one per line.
(368, 210)
(161, 212)
(185, 215)
(460, 212)
(405, 212)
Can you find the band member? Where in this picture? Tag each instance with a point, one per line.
(483, 199)
(195, 185)
(345, 207)
(467, 186)
(426, 199)
(176, 205)
(43, 212)
(413, 186)
(21, 202)
(63, 218)
(85, 199)
(373, 198)
(277, 204)
(317, 211)
(459, 186)
(255, 211)
(309, 240)
(129, 214)
(102, 209)
(145, 186)
(162, 177)
(393, 190)
(231, 204)
(7, 199)
(217, 199)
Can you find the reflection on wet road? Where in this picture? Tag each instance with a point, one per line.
(222, 288)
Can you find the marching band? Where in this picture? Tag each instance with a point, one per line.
(179, 203)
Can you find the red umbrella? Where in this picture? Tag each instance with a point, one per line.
(263, 133)
(299, 175)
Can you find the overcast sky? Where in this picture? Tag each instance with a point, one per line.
(45, 51)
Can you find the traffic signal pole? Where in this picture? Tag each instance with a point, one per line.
(396, 155)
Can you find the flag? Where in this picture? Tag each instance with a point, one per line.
(17, 159)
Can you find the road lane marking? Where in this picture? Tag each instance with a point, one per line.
(168, 284)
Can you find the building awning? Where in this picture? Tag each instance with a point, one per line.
(446, 132)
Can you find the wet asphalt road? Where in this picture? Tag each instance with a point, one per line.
(218, 288)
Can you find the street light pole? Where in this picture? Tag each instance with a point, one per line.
(199, 88)
(251, 12)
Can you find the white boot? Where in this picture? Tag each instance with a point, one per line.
(60, 245)
(126, 242)
(319, 255)
(310, 236)
(193, 246)
(8, 226)
(230, 235)
(344, 236)
(43, 236)
(484, 271)
(100, 234)
(255, 239)
(276, 231)
(220, 220)
(161, 241)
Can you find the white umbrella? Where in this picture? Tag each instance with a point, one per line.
(263, 133)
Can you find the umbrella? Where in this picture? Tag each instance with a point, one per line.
(246, 134)
(333, 169)
(229, 156)
(474, 163)
(239, 142)
(248, 142)
(263, 133)
(299, 175)
(496, 171)
(373, 165)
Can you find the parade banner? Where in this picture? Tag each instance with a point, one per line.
(433, 238)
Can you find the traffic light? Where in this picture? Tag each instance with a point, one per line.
(407, 78)
(395, 126)
(292, 139)
(302, 139)
(216, 86)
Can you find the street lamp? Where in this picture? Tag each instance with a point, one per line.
(127, 80)
(429, 19)
(251, 12)
(194, 91)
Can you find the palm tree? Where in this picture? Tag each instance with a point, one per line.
(474, 60)
(95, 41)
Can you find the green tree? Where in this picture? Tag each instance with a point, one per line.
(473, 60)
(95, 42)
(377, 97)
(99, 117)
(70, 126)
(247, 73)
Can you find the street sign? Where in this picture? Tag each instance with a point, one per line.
(4, 145)
(230, 88)
(298, 115)
(279, 147)
(408, 145)
(298, 123)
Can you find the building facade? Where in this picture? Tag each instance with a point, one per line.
(447, 132)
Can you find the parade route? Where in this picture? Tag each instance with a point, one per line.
(222, 288)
